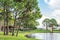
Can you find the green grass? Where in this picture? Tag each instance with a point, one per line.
(43, 31)
(56, 31)
(38, 31)
(21, 36)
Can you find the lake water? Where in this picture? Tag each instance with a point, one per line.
(47, 36)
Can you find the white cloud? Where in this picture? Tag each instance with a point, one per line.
(53, 3)
(50, 2)
(56, 15)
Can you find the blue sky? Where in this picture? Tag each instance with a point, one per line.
(49, 9)
(44, 8)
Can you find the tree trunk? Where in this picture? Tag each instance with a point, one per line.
(17, 30)
(4, 21)
(7, 27)
(46, 28)
(14, 22)
(4, 30)
(13, 31)
(4, 24)
(4, 27)
(52, 29)
(14, 25)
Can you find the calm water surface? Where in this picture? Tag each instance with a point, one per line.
(47, 36)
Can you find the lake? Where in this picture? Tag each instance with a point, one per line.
(46, 36)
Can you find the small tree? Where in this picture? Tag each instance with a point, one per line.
(46, 22)
(50, 23)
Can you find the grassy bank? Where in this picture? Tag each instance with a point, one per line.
(21, 36)
(43, 31)
(56, 31)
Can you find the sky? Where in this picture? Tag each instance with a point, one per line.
(49, 9)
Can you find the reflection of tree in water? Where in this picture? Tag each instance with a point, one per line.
(51, 36)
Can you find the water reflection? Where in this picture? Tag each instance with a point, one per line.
(47, 36)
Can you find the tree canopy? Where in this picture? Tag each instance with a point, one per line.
(20, 12)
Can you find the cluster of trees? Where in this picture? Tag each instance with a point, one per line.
(21, 13)
(49, 23)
